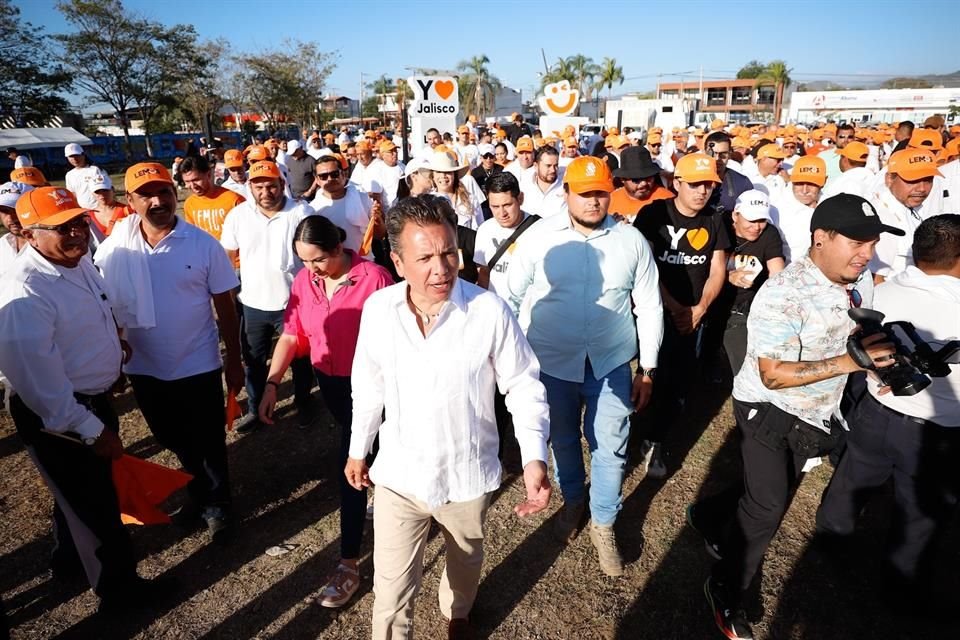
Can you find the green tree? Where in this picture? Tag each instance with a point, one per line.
(28, 83)
(751, 70)
(478, 87)
(124, 60)
(778, 74)
(287, 82)
(608, 74)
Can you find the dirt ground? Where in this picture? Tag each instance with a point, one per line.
(285, 488)
(533, 588)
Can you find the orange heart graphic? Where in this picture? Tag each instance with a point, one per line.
(698, 238)
(444, 88)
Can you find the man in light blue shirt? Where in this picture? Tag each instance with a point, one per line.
(572, 278)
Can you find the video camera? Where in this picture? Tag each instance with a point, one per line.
(911, 371)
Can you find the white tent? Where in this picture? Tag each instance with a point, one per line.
(41, 137)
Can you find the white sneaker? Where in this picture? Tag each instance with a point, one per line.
(340, 588)
(653, 461)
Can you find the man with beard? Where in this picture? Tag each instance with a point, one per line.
(689, 242)
(163, 274)
(640, 186)
(786, 397)
(260, 233)
(542, 188)
(585, 288)
(732, 183)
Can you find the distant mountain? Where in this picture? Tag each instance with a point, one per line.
(942, 80)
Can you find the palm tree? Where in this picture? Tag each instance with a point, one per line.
(478, 89)
(559, 72)
(584, 73)
(609, 73)
(778, 73)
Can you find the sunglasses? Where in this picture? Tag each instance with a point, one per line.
(329, 176)
(67, 228)
(855, 298)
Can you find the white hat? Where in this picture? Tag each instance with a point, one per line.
(293, 145)
(753, 205)
(486, 148)
(415, 165)
(445, 163)
(72, 149)
(102, 181)
(10, 192)
(634, 135)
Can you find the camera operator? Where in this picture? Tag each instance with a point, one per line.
(915, 439)
(786, 396)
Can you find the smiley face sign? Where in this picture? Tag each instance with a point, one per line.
(559, 99)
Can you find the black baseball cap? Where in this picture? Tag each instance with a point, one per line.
(850, 216)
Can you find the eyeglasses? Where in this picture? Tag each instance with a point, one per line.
(329, 176)
(67, 228)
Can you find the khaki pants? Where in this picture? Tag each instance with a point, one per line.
(400, 527)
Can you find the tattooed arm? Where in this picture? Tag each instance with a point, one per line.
(777, 374)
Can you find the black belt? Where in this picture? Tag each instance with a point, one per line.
(903, 416)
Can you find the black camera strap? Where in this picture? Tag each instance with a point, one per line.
(523, 226)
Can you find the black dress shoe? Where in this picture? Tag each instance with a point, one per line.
(139, 594)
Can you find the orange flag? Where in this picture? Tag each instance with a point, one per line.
(366, 245)
(234, 410)
(141, 487)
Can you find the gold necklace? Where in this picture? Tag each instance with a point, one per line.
(426, 317)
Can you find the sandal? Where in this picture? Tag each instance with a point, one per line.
(281, 549)
(339, 589)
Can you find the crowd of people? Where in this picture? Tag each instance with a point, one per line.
(509, 283)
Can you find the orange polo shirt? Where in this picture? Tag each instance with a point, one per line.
(624, 205)
(209, 211)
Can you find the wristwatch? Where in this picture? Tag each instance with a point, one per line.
(90, 441)
(650, 373)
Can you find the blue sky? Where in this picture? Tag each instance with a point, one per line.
(819, 40)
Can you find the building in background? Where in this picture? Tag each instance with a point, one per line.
(872, 105)
(728, 100)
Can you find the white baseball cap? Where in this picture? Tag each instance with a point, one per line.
(415, 165)
(10, 192)
(102, 181)
(753, 205)
(72, 149)
(293, 145)
(486, 148)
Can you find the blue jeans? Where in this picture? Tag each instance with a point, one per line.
(605, 426)
(260, 327)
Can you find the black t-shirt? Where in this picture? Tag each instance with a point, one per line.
(683, 247)
(301, 174)
(481, 176)
(752, 256)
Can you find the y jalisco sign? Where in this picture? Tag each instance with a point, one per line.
(434, 96)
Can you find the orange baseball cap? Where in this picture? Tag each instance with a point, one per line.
(265, 169)
(926, 139)
(613, 131)
(654, 138)
(48, 206)
(913, 164)
(525, 144)
(740, 143)
(28, 175)
(233, 159)
(954, 130)
(696, 167)
(370, 134)
(363, 145)
(386, 146)
(144, 173)
(810, 169)
(717, 124)
(568, 131)
(588, 173)
(463, 129)
(500, 134)
(571, 142)
(771, 151)
(256, 153)
(271, 144)
(855, 151)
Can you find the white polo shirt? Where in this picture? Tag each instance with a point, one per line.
(544, 204)
(187, 268)
(83, 182)
(267, 260)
